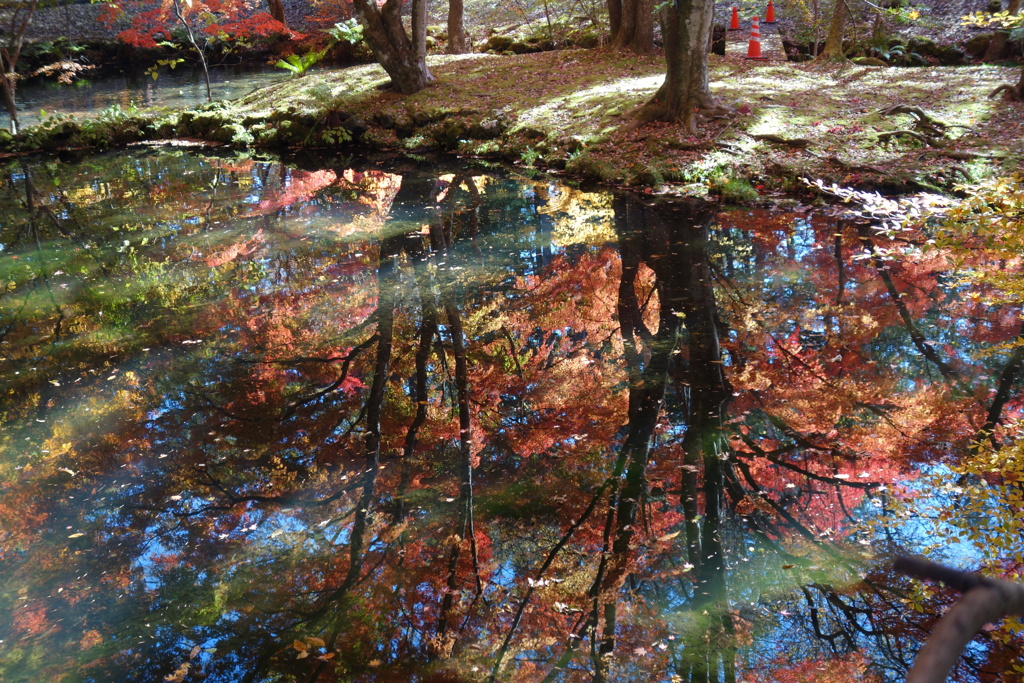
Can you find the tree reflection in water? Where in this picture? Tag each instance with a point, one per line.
(375, 425)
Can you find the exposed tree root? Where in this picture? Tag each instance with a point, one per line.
(923, 139)
(710, 143)
(961, 155)
(930, 132)
(923, 121)
(850, 166)
(792, 142)
(1013, 93)
(657, 110)
(856, 75)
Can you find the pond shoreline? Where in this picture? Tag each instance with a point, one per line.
(571, 111)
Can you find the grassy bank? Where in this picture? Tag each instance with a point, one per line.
(572, 110)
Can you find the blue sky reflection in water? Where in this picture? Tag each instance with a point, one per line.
(268, 422)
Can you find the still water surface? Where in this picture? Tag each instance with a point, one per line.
(380, 423)
(174, 89)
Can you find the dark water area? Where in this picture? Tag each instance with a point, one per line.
(177, 88)
(382, 423)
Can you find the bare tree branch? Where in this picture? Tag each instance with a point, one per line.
(984, 600)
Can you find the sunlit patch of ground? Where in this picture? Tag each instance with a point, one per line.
(789, 120)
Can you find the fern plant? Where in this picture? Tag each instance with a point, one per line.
(349, 31)
(298, 65)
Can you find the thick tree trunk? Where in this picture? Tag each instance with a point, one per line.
(402, 56)
(276, 8)
(687, 31)
(997, 46)
(633, 27)
(1017, 93)
(614, 17)
(456, 32)
(833, 49)
(675, 245)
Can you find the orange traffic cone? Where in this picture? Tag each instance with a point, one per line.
(734, 25)
(769, 17)
(754, 47)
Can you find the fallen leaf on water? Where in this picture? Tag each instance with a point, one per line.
(179, 674)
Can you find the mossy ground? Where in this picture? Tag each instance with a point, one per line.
(573, 110)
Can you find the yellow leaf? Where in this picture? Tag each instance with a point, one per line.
(668, 537)
(313, 641)
(302, 655)
(300, 646)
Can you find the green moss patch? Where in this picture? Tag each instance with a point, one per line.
(574, 109)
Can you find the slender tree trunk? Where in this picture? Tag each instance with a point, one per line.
(456, 31)
(419, 32)
(363, 517)
(402, 56)
(179, 15)
(816, 21)
(9, 55)
(8, 83)
(465, 531)
(833, 49)
(687, 29)
(387, 281)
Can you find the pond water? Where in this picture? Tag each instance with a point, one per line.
(381, 423)
(175, 89)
